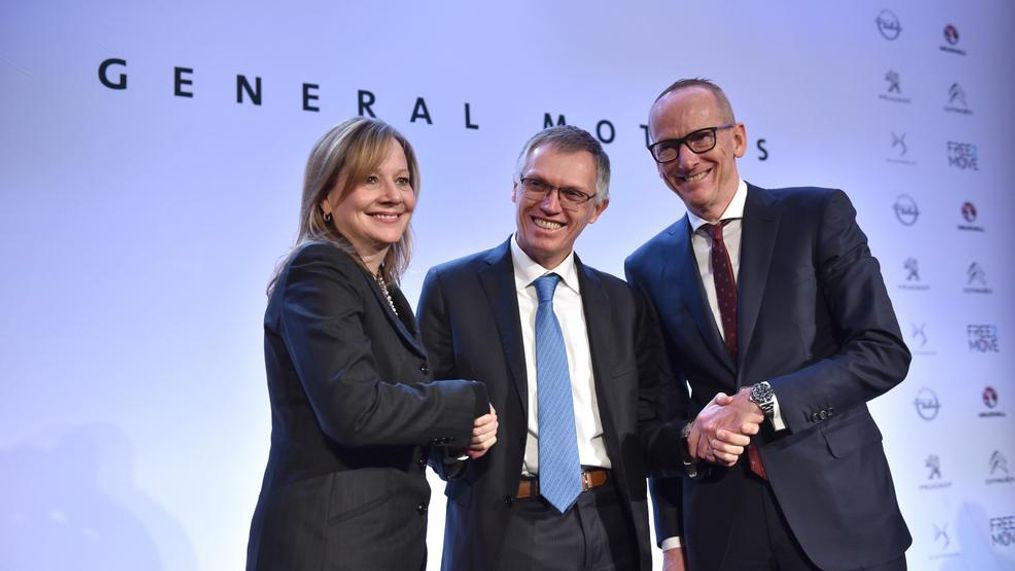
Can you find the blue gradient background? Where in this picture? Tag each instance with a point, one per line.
(140, 229)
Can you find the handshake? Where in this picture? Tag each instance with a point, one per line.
(723, 429)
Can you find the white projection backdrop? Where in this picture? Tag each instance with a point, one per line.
(140, 226)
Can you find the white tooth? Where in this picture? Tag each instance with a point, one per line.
(548, 224)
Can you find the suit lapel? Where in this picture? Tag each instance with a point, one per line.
(757, 242)
(498, 280)
(602, 335)
(682, 269)
(406, 329)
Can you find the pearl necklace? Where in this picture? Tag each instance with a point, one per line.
(384, 289)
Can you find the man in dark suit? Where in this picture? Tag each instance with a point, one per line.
(771, 297)
(528, 318)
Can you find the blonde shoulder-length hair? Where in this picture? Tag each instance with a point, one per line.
(348, 153)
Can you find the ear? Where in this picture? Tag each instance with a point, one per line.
(514, 193)
(598, 211)
(739, 140)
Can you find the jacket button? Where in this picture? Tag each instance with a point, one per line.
(424, 369)
(421, 462)
(508, 500)
(823, 415)
(421, 508)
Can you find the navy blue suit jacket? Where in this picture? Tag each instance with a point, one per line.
(354, 413)
(815, 320)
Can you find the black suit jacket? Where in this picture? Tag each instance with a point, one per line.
(353, 412)
(815, 320)
(470, 324)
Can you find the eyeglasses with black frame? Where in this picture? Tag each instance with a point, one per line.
(700, 141)
(538, 189)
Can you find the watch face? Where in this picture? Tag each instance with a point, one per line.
(761, 393)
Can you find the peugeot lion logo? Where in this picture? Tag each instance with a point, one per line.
(913, 269)
(934, 464)
(927, 405)
(888, 25)
(892, 77)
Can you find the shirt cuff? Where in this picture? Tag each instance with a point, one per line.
(777, 421)
(671, 543)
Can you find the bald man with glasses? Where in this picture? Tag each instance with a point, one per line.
(776, 317)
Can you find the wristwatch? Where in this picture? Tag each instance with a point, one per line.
(690, 464)
(763, 396)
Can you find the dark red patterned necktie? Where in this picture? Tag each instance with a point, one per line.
(726, 296)
(725, 287)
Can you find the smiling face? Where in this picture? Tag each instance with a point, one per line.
(548, 229)
(706, 182)
(374, 213)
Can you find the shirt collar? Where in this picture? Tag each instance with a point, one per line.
(527, 270)
(733, 211)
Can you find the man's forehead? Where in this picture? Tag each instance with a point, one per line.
(684, 109)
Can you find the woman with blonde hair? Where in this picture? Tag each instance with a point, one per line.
(355, 411)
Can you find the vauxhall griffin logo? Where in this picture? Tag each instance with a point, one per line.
(927, 405)
(951, 34)
(990, 397)
(888, 25)
(969, 212)
(906, 210)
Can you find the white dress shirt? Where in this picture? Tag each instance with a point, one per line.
(701, 243)
(567, 306)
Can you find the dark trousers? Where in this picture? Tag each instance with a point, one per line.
(594, 534)
(760, 538)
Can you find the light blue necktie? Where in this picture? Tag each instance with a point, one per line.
(559, 467)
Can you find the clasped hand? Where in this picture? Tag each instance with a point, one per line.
(484, 434)
(722, 430)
